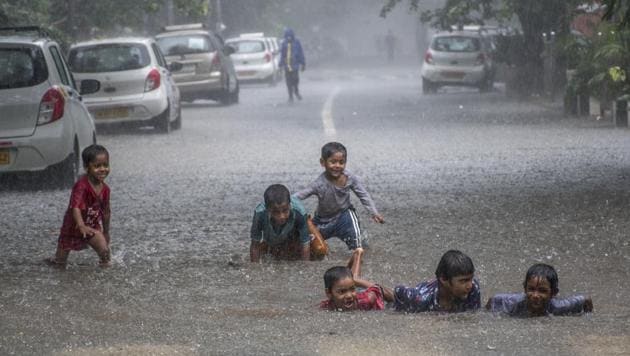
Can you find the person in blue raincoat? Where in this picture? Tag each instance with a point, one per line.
(292, 61)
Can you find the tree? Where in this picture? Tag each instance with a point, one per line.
(618, 10)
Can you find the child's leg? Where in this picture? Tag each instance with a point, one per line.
(348, 230)
(60, 259)
(99, 243)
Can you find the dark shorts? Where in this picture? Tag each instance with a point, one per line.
(346, 227)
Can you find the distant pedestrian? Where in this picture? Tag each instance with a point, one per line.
(335, 216)
(279, 227)
(292, 61)
(390, 45)
(454, 288)
(539, 297)
(86, 221)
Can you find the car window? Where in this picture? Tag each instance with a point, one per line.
(65, 78)
(158, 55)
(456, 44)
(188, 44)
(109, 58)
(248, 46)
(22, 67)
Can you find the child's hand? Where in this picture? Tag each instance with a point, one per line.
(588, 305)
(86, 231)
(378, 219)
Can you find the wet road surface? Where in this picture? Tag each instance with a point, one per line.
(509, 183)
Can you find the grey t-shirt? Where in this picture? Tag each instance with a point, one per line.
(332, 199)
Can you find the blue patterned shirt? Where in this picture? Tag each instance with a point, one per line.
(425, 297)
(515, 304)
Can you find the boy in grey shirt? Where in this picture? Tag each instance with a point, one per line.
(335, 215)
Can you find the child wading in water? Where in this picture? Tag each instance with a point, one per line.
(539, 297)
(86, 222)
(340, 288)
(335, 215)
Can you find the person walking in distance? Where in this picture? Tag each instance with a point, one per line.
(292, 61)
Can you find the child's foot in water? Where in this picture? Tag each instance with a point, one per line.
(52, 262)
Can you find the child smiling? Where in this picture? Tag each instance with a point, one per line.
(539, 297)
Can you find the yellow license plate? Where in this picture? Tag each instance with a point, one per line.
(114, 113)
(5, 157)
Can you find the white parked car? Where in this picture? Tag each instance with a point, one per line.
(136, 86)
(460, 58)
(255, 57)
(44, 125)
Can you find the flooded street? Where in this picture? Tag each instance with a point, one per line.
(508, 182)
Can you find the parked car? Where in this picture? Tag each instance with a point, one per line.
(135, 84)
(208, 71)
(44, 125)
(461, 58)
(255, 58)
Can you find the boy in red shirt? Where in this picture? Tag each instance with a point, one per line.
(342, 295)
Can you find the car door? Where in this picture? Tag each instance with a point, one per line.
(171, 87)
(82, 122)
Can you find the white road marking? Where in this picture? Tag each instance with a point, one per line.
(327, 118)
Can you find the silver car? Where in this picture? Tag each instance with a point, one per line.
(135, 84)
(255, 58)
(458, 58)
(44, 125)
(207, 72)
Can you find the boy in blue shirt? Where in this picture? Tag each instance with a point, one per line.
(279, 227)
(539, 298)
(453, 290)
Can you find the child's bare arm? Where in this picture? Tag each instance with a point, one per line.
(378, 218)
(78, 219)
(106, 219)
(355, 262)
(254, 251)
(362, 283)
(305, 252)
(388, 293)
(588, 305)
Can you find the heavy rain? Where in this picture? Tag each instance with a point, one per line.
(528, 163)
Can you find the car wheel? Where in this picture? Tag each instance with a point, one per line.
(177, 124)
(163, 123)
(234, 97)
(66, 173)
(428, 86)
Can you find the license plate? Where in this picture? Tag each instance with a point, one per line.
(5, 157)
(453, 75)
(246, 72)
(114, 113)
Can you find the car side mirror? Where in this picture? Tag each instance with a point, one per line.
(175, 66)
(89, 86)
(228, 50)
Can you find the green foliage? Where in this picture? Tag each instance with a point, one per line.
(601, 72)
(617, 11)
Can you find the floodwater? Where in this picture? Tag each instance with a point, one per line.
(508, 182)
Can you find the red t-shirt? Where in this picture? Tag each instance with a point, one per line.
(363, 300)
(93, 208)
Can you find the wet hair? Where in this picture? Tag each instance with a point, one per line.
(90, 152)
(454, 263)
(335, 274)
(276, 194)
(543, 270)
(331, 148)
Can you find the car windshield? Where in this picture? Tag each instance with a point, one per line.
(456, 44)
(22, 67)
(177, 45)
(109, 58)
(248, 46)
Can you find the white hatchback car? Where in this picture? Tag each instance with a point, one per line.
(458, 58)
(136, 86)
(44, 125)
(254, 57)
